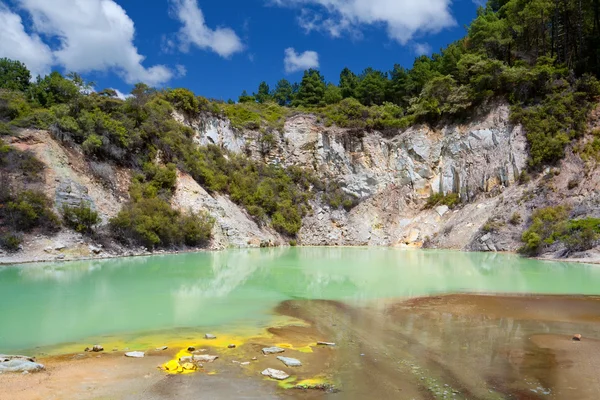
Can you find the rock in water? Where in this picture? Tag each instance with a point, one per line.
(577, 337)
(272, 350)
(161, 348)
(231, 346)
(325, 344)
(135, 354)
(20, 365)
(191, 348)
(290, 362)
(97, 348)
(275, 374)
(209, 336)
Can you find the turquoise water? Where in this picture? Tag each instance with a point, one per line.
(56, 303)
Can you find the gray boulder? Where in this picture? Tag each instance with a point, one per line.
(290, 362)
(275, 374)
(19, 364)
(272, 350)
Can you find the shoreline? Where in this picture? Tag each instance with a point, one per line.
(54, 259)
(50, 258)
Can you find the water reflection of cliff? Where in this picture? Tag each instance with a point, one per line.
(70, 300)
(229, 271)
(70, 272)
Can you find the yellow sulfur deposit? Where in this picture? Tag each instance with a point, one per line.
(302, 349)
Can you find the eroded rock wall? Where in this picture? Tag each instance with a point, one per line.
(393, 174)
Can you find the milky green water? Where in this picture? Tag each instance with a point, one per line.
(52, 304)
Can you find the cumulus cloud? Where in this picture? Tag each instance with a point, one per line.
(421, 48)
(122, 95)
(299, 62)
(92, 35)
(403, 19)
(17, 44)
(194, 31)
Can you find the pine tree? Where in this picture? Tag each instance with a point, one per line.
(348, 83)
(283, 92)
(264, 93)
(311, 90)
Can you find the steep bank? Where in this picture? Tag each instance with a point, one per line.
(392, 175)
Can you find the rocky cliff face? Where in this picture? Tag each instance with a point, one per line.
(391, 174)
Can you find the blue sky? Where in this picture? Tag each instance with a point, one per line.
(218, 48)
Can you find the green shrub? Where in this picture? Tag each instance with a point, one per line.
(155, 181)
(11, 241)
(38, 118)
(266, 191)
(150, 222)
(13, 104)
(31, 209)
(5, 129)
(287, 219)
(251, 115)
(92, 144)
(515, 219)
(23, 163)
(336, 197)
(153, 223)
(581, 234)
(552, 123)
(183, 100)
(524, 177)
(196, 228)
(293, 242)
(590, 150)
(546, 225)
(81, 218)
(437, 199)
(493, 224)
(350, 113)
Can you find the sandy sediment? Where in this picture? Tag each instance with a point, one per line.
(455, 346)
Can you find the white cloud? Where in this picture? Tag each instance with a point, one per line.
(17, 44)
(122, 95)
(403, 19)
(421, 48)
(93, 35)
(180, 70)
(299, 62)
(223, 41)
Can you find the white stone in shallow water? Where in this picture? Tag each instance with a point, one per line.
(272, 350)
(290, 362)
(209, 336)
(135, 354)
(275, 374)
